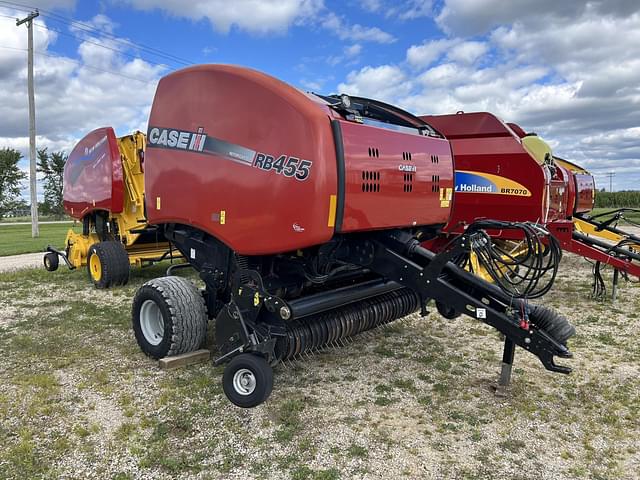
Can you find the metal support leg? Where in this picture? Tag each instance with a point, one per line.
(614, 290)
(507, 363)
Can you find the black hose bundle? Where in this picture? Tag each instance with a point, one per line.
(599, 290)
(526, 269)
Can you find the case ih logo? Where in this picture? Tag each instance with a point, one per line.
(167, 137)
(200, 142)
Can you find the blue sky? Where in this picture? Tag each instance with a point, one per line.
(556, 68)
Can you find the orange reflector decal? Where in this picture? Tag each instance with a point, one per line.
(333, 200)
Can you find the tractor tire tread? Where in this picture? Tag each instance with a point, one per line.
(187, 310)
(114, 262)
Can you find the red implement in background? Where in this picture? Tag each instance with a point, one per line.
(93, 178)
(496, 177)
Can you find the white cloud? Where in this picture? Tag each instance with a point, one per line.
(50, 4)
(427, 53)
(403, 10)
(73, 95)
(349, 54)
(266, 16)
(567, 70)
(255, 16)
(474, 17)
(384, 82)
(467, 52)
(356, 32)
(415, 9)
(353, 50)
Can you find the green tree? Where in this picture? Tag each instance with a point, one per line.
(10, 178)
(52, 166)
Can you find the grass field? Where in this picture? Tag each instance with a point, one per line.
(42, 218)
(633, 216)
(79, 399)
(15, 239)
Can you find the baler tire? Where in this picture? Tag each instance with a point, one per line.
(51, 261)
(110, 266)
(552, 322)
(181, 324)
(259, 375)
(447, 312)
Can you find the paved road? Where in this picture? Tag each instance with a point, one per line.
(18, 262)
(39, 223)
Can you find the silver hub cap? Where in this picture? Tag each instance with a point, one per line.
(244, 381)
(151, 322)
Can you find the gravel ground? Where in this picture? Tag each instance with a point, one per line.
(17, 262)
(414, 400)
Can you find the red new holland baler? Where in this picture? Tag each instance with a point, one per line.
(506, 174)
(304, 216)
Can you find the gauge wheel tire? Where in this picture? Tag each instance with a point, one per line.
(446, 311)
(51, 261)
(169, 317)
(108, 264)
(247, 380)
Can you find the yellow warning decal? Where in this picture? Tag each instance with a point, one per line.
(333, 200)
(223, 217)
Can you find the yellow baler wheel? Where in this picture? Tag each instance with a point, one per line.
(95, 268)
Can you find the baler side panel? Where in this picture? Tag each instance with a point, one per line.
(93, 177)
(497, 179)
(394, 179)
(252, 161)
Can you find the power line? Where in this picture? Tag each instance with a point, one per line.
(14, 48)
(84, 40)
(91, 29)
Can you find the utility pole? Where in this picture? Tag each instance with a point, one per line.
(611, 175)
(35, 232)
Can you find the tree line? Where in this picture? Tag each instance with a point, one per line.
(624, 199)
(51, 165)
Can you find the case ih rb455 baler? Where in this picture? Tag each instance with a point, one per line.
(304, 216)
(506, 174)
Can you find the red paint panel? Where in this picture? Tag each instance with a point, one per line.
(563, 231)
(382, 190)
(482, 143)
(93, 178)
(265, 212)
